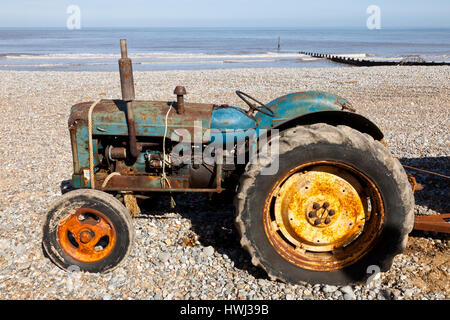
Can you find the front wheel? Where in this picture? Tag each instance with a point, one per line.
(88, 229)
(338, 204)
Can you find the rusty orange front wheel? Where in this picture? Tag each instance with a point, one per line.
(88, 229)
(87, 235)
(339, 204)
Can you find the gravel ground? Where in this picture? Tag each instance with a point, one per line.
(192, 251)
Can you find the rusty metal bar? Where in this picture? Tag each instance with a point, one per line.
(436, 223)
(180, 91)
(139, 189)
(126, 73)
(147, 184)
(128, 95)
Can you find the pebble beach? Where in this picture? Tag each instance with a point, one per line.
(193, 251)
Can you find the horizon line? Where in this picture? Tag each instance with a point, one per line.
(226, 27)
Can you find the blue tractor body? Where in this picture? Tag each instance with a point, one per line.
(109, 122)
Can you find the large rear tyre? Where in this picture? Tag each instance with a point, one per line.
(339, 204)
(89, 230)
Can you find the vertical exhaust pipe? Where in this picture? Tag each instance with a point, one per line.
(128, 95)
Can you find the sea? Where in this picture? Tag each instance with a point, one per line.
(97, 49)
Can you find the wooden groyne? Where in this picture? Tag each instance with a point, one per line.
(371, 63)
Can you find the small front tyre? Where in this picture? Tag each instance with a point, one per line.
(88, 229)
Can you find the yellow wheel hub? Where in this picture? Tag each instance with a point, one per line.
(319, 211)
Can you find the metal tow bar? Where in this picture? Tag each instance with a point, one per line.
(437, 222)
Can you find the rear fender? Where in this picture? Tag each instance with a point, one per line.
(335, 118)
(297, 104)
(306, 108)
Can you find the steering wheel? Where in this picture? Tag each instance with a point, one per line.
(263, 108)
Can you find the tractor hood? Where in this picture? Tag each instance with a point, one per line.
(109, 118)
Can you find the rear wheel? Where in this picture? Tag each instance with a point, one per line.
(89, 229)
(338, 204)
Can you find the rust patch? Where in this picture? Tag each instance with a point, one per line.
(319, 211)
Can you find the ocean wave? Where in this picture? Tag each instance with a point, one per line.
(48, 65)
(202, 57)
(152, 55)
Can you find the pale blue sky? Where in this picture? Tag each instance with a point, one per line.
(225, 13)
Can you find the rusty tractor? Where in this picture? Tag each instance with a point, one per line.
(318, 196)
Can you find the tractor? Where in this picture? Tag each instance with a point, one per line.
(318, 197)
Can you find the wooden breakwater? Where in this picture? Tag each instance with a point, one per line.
(372, 63)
